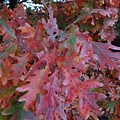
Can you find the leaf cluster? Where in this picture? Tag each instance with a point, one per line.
(54, 72)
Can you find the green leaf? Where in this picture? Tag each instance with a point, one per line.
(16, 110)
(16, 106)
(47, 1)
(18, 113)
(1, 116)
(7, 42)
(6, 92)
(111, 106)
(6, 27)
(72, 39)
(90, 4)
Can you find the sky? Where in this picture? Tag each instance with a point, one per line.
(32, 5)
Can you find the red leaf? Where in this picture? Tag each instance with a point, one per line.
(105, 12)
(51, 25)
(27, 30)
(19, 15)
(105, 54)
(39, 32)
(109, 22)
(107, 35)
(87, 100)
(5, 72)
(19, 68)
(50, 104)
(87, 103)
(78, 91)
(34, 87)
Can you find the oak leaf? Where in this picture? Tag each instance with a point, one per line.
(5, 71)
(50, 104)
(19, 68)
(34, 87)
(105, 54)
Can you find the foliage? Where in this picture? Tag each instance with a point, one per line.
(116, 41)
(62, 67)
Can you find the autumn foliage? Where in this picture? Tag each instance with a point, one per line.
(62, 67)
